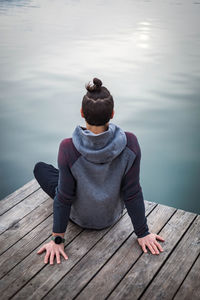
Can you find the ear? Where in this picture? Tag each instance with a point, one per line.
(82, 115)
(113, 112)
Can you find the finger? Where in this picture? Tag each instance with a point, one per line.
(150, 248)
(159, 246)
(41, 249)
(144, 248)
(58, 257)
(155, 247)
(64, 254)
(159, 237)
(51, 257)
(46, 258)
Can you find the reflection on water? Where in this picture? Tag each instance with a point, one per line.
(145, 52)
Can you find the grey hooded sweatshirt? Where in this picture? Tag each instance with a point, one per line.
(98, 178)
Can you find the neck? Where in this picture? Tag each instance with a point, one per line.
(97, 129)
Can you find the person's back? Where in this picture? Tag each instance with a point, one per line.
(98, 175)
(98, 163)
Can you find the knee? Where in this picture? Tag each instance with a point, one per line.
(37, 168)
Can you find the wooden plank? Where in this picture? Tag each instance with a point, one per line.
(16, 213)
(114, 270)
(31, 264)
(112, 238)
(79, 276)
(20, 250)
(34, 264)
(41, 234)
(24, 246)
(143, 271)
(173, 273)
(17, 196)
(190, 288)
(25, 225)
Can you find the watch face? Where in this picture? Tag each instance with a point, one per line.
(58, 239)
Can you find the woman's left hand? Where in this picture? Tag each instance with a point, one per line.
(151, 242)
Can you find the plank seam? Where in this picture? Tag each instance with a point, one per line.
(85, 254)
(137, 259)
(172, 250)
(186, 275)
(109, 258)
(21, 287)
(14, 223)
(19, 201)
(26, 233)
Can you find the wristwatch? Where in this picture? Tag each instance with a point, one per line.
(58, 239)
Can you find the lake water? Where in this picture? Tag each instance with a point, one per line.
(145, 52)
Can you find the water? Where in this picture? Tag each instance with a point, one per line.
(147, 55)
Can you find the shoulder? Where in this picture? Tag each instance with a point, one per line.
(69, 151)
(66, 143)
(132, 142)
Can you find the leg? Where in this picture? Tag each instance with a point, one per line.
(47, 177)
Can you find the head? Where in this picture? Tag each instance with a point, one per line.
(97, 104)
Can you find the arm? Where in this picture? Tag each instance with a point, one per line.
(65, 192)
(134, 202)
(133, 196)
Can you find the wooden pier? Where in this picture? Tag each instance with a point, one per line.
(102, 264)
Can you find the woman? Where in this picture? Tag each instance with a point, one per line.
(98, 175)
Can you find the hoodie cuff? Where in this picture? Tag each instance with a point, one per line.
(143, 235)
(143, 231)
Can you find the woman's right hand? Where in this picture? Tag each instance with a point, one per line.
(52, 249)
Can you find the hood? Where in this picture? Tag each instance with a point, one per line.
(102, 147)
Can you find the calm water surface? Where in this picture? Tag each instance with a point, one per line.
(147, 54)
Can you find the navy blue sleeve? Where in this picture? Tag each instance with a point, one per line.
(132, 191)
(65, 191)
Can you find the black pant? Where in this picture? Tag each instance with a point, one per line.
(47, 177)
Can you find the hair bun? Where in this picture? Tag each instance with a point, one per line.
(95, 87)
(97, 82)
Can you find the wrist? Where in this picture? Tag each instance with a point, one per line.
(143, 235)
(60, 234)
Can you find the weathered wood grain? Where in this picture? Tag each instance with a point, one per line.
(119, 264)
(25, 225)
(102, 264)
(75, 280)
(19, 211)
(97, 254)
(33, 264)
(25, 246)
(190, 288)
(178, 264)
(142, 272)
(30, 265)
(17, 196)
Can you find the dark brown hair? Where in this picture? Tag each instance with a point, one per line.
(97, 104)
